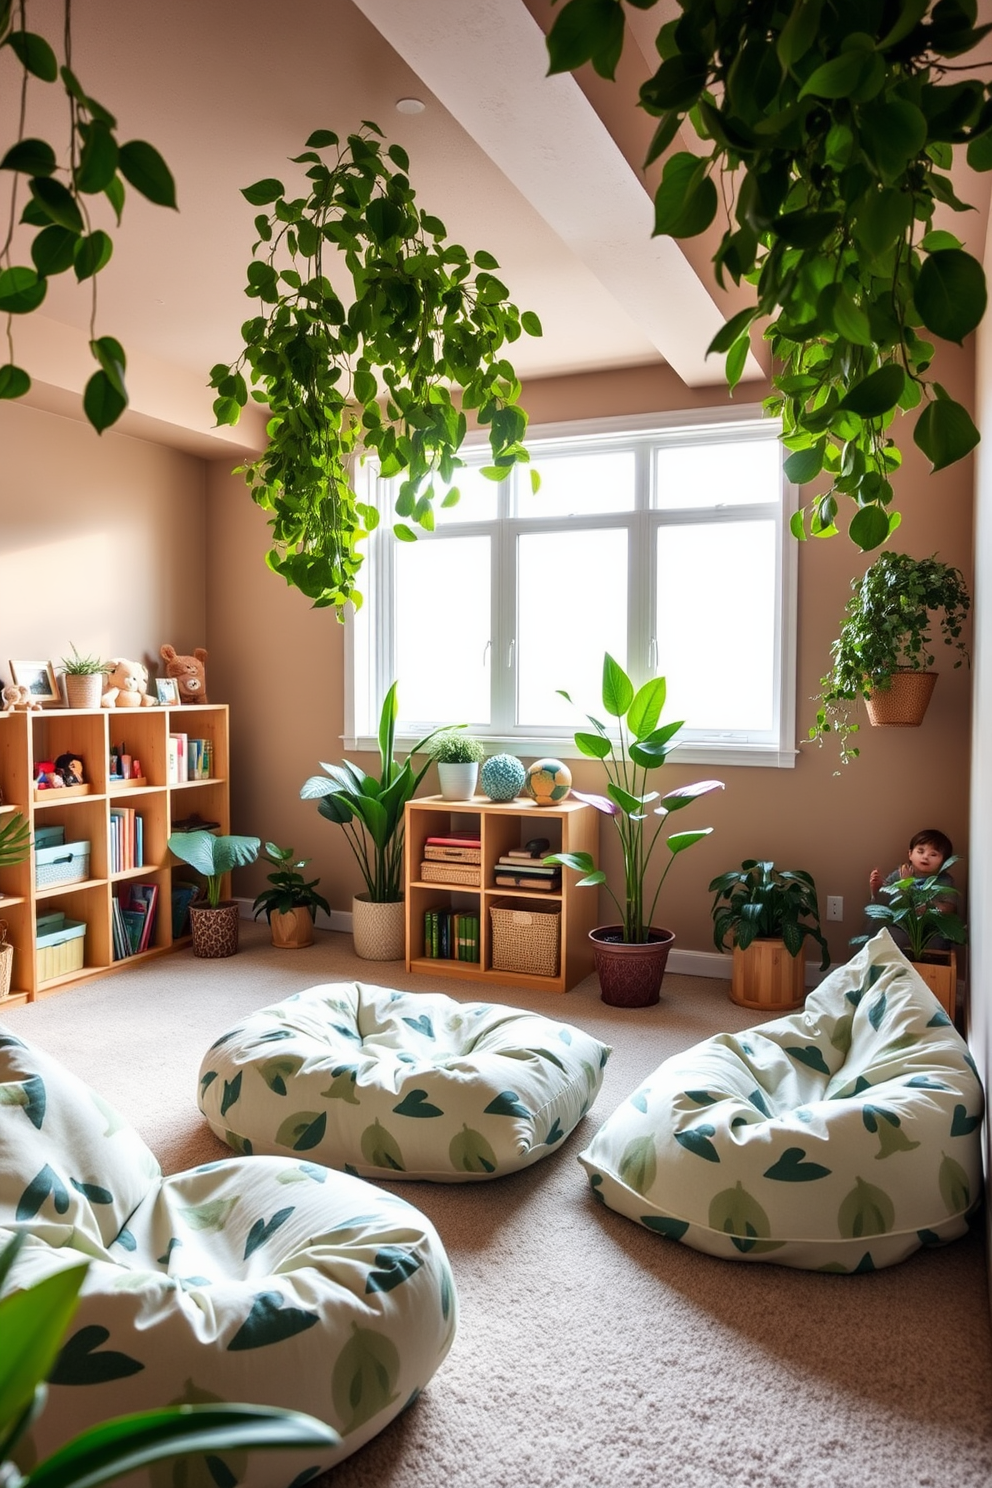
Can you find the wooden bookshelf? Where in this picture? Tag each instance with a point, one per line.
(29, 738)
(571, 826)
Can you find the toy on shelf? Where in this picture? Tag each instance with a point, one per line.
(17, 698)
(126, 685)
(189, 672)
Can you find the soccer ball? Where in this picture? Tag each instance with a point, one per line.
(548, 782)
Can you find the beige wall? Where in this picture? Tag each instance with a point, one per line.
(101, 542)
(266, 640)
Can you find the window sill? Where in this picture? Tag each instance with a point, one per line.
(695, 752)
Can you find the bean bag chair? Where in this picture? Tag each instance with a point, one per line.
(841, 1138)
(268, 1281)
(400, 1084)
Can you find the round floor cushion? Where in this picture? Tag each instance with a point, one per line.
(400, 1084)
(268, 1281)
(842, 1138)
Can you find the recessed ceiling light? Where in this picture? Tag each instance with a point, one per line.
(410, 106)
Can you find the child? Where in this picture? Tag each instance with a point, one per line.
(928, 851)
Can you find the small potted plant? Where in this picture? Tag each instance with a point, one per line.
(83, 679)
(918, 913)
(458, 757)
(884, 651)
(768, 914)
(214, 920)
(631, 956)
(291, 905)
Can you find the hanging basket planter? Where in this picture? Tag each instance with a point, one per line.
(904, 703)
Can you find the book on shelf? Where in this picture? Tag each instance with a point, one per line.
(526, 855)
(134, 912)
(457, 839)
(506, 880)
(126, 839)
(531, 865)
(450, 935)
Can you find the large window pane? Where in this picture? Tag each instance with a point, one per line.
(715, 623)
(732, 472)
(578, 485)
(571, 607)
(477, 498)
(442, 629)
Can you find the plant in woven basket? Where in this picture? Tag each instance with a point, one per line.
(290, 890)
(761, 902)
(83, 666)
(886, 629)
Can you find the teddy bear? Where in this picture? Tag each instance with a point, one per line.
(16, 698)
(189, 673)
(126, 685)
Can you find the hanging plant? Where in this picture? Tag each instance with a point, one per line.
(367, 370)
(61, 204)
(830, 131)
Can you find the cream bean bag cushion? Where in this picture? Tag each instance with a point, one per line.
(400, 1084)
(269, 1281)
(839, 1139)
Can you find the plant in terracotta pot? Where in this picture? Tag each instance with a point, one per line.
(631, 955)
(83, 679)
(458, 756)
(214, 921)
(372, 812)
(768, 913)
(291, 904)
(885, 645)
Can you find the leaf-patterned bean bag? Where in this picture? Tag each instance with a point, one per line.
(268, 1280)
(841, 1138)
(400, 1084)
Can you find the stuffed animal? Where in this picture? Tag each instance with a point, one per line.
(189, 673)
(126, 685)
(16, 698)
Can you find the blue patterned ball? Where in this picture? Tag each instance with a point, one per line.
(501, 777)
(548, 782)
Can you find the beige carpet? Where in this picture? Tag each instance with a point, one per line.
(591, 1353)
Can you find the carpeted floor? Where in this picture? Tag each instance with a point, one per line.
(590, 1352)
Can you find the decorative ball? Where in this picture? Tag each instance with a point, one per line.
(548, 782)
(501, 777)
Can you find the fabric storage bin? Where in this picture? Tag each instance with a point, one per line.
(68, 862)
(60, 945)
(526, 939)
(48, 837)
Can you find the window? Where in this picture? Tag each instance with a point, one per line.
(662, 540)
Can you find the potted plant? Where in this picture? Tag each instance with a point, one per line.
(458, 757)
(919, 912)
(883, 653)
(292, 902)
(214, 921)
(83, 679)
(631, 956)
(372, 812)
(768, 914)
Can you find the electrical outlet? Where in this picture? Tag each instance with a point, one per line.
(835, 907)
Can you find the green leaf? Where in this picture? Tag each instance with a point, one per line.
(618, 690)
(945, 432)
(869, 527)
(99, 160)
(14, 381)
(32, 157)
(638, 1166)
(731, 332)
(21, 290)
(102, 402)
(877, 393)
(319, 140)
(110, 354)
(270, 1321)
(680, 841)
(364, 1377)
(686, 201)
(57, 202)
(645, 710)
(384, 218)
(532, 325)
(92, 253)
(586, 30)
(82, 1360)
(267, 190)
(53, 250)
(804, 465)
(950, 293)
(867, 1210)
(34, 53)
(144, 168)
(838, 78)
(471, 1153)
(32, 1322)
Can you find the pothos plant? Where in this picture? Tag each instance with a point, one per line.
(828, 135)
(387, 366)
(64, 187)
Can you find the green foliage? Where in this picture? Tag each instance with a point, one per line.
(290, 890)
(372, 810)
(61, 202)
(829, 132)
(886, 628)
(15, 840)
(84, 666)
(924, 908)
(367, 369)
(33, 1321)
(213, 856)
(761, 902)
(643, 745)
(451, 747)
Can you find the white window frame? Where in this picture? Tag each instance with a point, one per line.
(368, 652)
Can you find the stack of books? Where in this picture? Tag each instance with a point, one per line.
(126, 839)
(188, 759)
(520, 869)
(450, 935)
(133, 923)
(455, 859)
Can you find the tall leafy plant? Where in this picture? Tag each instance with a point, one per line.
(64, 188)
(386, 366)
(828, 132)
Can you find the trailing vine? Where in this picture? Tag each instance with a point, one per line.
(61, 205)
(370, 370)
(830, 129)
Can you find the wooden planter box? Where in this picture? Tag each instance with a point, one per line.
(940, 972)
(767, 978)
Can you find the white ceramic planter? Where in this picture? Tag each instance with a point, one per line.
(379, 930)
(458, 781)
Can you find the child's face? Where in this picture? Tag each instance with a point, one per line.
(925, 859)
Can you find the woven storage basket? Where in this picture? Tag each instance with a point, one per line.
(68, 863)
(6, 967)
(904, 703)
(526, 939)
(451, 873)
(453, 854)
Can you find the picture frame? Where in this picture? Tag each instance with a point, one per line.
(167, 691)
(39, 679)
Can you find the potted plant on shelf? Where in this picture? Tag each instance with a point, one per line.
(631, 956)
(457, 756)
(883, 653)
(768, 914)
(214, 921)
(292, 902)
(372, 813)
(83, 679)
(919, 913)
